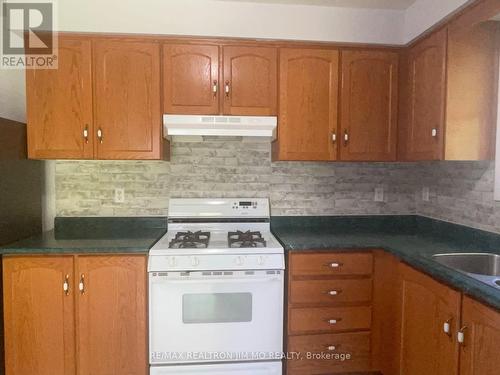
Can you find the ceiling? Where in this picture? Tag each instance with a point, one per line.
(373, 4)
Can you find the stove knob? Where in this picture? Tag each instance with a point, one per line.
(261, 261)
(240, 261)
(195, 261)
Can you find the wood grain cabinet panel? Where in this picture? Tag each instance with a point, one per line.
(308, 92)
(112, 319)
(348, 352)
(127, 99)
(250, 80)
(426, 306)
(479, 354)
(39, 316)
(423, 99)
(331, 264)
(369, 102)
(59, 104)
(191, 79)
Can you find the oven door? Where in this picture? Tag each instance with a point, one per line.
(198, 317)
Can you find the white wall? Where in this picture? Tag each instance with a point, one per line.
(238, 19)
(423, 14)
(12, 95)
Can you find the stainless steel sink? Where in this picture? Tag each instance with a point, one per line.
(481, 266)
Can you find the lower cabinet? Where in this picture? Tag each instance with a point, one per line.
(82, 315)
(479, 352)
(329, 313)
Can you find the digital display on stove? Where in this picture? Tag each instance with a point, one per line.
(245, 203)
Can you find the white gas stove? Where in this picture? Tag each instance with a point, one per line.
(216, 290)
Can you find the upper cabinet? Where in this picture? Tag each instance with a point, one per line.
(211, 80)
(103, 101)
(250, 80)
(308, 92)
(59, 105)
(423, 99)
(127, 99)
(369, 105)
(190, 79)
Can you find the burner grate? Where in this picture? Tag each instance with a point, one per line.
(245, 239)
(190, 240)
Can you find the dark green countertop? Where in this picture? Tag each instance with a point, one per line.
(413, 239)
(93, 235)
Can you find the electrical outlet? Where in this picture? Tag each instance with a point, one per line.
(379, 194)
(119, 195)
(426, 194)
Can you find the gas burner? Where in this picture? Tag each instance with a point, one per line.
(245, 239)
(190, 240)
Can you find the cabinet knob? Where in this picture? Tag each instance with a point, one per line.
(333, 292)
(100, 135)
(227, 89)
(346, 137)
(334, 265)
(461, 336)
(334, 321)
(331, 348)
(447, 327)
(434, 132)
(334, 137)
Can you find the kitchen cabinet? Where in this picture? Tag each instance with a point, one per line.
(75, 315)
(369, 97)
(127, 99)
(59, 104)
(423, 99)
(39, 315)
(103, 101)
(208, 79)
(426, 306)
(481, 329)
(329, 312)
(308, 92)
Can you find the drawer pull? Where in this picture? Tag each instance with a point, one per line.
(334, 321)
(333, 292)
(334, 265)
(332, 348)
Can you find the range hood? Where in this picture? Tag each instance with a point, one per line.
(234, 126)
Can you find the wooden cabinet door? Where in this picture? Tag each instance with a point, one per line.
(112, 329)
(426, 306)
(308, 104)
(59, 105)
(127, 99)
(423, 99)
(479, 354)
(250, 80)
(191, 79)
(39, 316)
(369, 98)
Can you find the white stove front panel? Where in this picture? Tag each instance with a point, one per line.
(251, 368)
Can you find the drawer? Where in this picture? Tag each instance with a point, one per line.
(328, 319)
(331, 291)
(331, 353)
(331, 264)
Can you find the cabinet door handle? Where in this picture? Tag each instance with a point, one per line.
(215, 88)
(434, 132)
(66, 285)
(99, 135)
(334, 137)
(461, 336)
(346, 137)
(447, 327)
(227, 89)
(81, 284)
(86, 134)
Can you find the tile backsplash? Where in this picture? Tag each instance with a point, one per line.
(220, 167)
(460, 192)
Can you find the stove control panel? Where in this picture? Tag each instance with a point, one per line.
(219, 208)
(162, 263)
